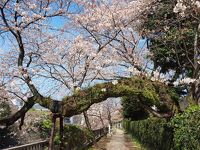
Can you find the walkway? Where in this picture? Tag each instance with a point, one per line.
(118, 141)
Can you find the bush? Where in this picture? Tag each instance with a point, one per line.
(74, 136)
(181, 133)
(5, 109)
(152, 133)
(8, 136)
(187, 129)
(45, 128)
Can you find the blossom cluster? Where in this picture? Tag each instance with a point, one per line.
(184, 81)
(109, 15)
(182, 6)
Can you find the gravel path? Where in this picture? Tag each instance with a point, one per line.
(118, 141)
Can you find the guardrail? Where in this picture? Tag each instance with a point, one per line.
(117, 124)
(40, 145)
(32, 146)
(98, 134)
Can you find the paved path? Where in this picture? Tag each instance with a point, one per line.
(118, 141)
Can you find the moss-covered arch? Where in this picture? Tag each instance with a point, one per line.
(148, 93)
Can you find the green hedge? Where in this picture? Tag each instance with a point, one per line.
(180, 133)
(187, 129)
(152, 133)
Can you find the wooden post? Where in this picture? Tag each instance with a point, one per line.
(61, 133)
(51, 141)
(109, 129)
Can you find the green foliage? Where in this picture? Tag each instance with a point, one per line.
(140, 89)
(145, 92)
(45, 128)
(152, 133)
(149, 93)
(187, 129)
(57, 139)
(5, 109)
(174, 93)
(46, 124)
(180, 133)
(172, 43)
(75, 137)
(8, 136)
(132, 109)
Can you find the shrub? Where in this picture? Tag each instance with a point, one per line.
(74, 136)
(8, 136)
(45, 128)
(181, 133)
(152, 133)
(187, 129)
(5, 109)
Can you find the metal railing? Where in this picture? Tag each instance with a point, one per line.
(32, 146)
(98, 134)
(117, 124)
(40, 145)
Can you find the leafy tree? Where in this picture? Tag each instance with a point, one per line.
(174, 43)
(132, 109)
(171, 39)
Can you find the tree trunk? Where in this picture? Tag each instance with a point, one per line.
(51, 141)
(109, 118)
(61, 133)
(101, 119)
(195, 90)
(87, 120)
(195, 93)
(89, 126)
(196, 51)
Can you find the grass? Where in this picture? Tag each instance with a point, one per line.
(137, 144)
(36, 111)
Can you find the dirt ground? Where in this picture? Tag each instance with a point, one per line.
(118, 141)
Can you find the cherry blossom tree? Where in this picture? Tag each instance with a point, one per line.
(94, 40)
(40, 58)
(100, 49)
(104, 112)
(38, 53)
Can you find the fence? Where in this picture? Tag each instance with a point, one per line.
(98, 134)
(117, 125)
(32, 146)
(41, 144)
